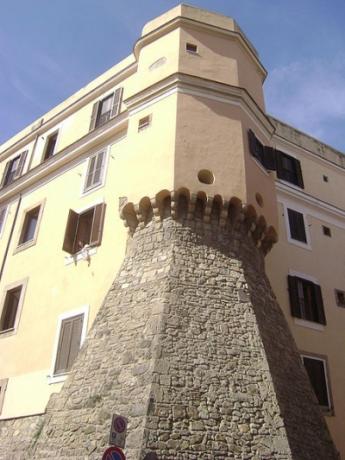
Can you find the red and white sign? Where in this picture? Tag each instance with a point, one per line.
(118, 431)
(113, 453)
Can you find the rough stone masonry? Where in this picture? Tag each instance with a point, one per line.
(191, 345)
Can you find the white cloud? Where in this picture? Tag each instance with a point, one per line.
(308, 94)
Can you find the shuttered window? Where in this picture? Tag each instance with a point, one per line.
(13, 169)
(306, 300)
(95, 171)
(69, 343)
(10, 309)
(84, 229)
(263, 154)
(106, 108)
(316, 370)
(289, 169)
(297, 226)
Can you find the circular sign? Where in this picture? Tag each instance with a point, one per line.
(113, 453)
(119, 424)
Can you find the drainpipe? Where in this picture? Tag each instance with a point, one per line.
(10, 237)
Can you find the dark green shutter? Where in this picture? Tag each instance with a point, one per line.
(299, 173)
(279, 164)
(270, 158)
(69, 343)
(4, 176)
(319, 304)
(294, 298)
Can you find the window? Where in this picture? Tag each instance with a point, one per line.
(317, 372)
(340, 298)
(297, 226)
(3, 212)
(325, 178)
(95, 170)
(191, 48)
(3, 386)
(289, 169)
(50, 146)
(13, 169)
(326, 231)
(10, 309)
(106, 108)
(144, 122)
(306, 300)
(69, 343)
(28, 232)
(263, 154)
(84, 229)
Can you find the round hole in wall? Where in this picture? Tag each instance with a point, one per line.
(205, 176)
(259, 200)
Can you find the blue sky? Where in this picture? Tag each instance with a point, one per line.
(49, 49)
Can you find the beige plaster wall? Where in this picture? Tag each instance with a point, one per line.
(323, 263)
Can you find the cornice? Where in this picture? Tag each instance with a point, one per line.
(182, 21)
(39, 127)
(334, 211)
(84, 144)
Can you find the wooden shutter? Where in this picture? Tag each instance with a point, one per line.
(270, 158)
(97, 225)
(279, 164)
(94, 115)
(252, 142)
(294, 299)
(69, 343)
(299, 173)
(115, 110)
(21, 165)
(319, 304)
(90, 172)
(77, 326)
(71, 231)
(4, 176)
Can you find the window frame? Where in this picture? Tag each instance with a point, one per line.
(86, 190)
(49, 135)
(3, 223)
(299, 182)
(116, 103)
(27, 244)
(7, 288)
(328, 410)
(145, 121)
(296, 208)
(82, 310)
(295, 308)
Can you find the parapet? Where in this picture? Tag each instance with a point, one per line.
(198, 208)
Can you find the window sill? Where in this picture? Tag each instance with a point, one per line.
(59, 378)
(81, 255)
(23, 246)
(7, 332)
(300, 244)
(309, 324)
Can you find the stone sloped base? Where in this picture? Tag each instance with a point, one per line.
(190, 345)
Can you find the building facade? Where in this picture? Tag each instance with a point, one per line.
(183, 114)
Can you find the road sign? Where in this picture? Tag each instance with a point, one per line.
(118, 431)
(113, 453)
